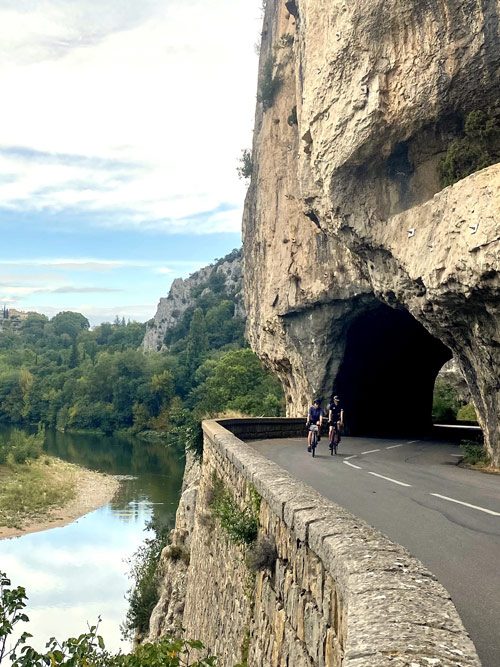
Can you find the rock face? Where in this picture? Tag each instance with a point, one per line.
(362, 275)
(179, 299)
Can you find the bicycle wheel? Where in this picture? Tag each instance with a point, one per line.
(335, 441)
(314, 442)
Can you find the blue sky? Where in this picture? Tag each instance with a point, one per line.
(121, 126)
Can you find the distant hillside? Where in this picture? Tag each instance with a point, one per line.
(221, 279)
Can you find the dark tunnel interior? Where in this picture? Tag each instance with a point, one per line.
(386, 379)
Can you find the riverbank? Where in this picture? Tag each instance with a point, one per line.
(48, 493)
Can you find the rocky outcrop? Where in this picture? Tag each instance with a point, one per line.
(227, 270)
(361, 274)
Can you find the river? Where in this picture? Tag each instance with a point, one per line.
(77, 573)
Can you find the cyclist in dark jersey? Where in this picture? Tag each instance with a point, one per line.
(314, 418)
(335, 421)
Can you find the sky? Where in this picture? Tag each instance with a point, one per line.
(121, 126)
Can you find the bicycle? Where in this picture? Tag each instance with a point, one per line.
(314, 439)
(334, 442)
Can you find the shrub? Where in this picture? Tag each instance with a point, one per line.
(262, 555)
(446, 402)
(19, 447)
(176, 552)
(477, 149)
(474, 453)
(185, 432)
(245, 168)
(270, 83)
(240, 525)
(467, 413)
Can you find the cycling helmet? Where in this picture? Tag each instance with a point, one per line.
(317, 400)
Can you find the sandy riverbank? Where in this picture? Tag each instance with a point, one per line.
(91, 490)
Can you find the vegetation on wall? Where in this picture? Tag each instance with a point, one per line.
(479, 147)
(245, 165)
(269, 84)
(241, 525)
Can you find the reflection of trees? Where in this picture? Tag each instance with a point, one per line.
(153, 490)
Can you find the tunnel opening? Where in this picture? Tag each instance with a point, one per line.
(386, 379)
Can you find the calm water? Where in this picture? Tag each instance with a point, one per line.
(77, 573)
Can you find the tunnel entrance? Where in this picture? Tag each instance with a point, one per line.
(386, 378)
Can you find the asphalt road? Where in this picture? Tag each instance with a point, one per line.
(414, 492)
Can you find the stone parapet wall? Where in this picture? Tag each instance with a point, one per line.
(338, 594)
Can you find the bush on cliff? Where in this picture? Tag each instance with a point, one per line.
(269, 85)
(477, 149)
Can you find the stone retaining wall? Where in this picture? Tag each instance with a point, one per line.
(338, 593)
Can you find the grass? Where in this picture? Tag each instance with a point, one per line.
(29, 491)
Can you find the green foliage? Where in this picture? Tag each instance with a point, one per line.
(59, 373)
(269, 85)
(19, 447)
(237, 381)
(477, 149)
(143, 596)
(245, 167)
(185, 430)
(467, 413)
(69, 323)
(240, 525)
(87, 650)
(446, 402)
(474, 453)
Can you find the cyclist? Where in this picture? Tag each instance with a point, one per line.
(335, 422)
(314, 420)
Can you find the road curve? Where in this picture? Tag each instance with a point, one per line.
(414, 492)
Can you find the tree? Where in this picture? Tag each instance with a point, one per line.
(69, 323)
(237, 381)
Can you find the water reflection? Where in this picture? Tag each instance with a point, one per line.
(76, 573)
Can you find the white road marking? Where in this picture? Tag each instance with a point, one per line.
(354, 456)
(460, 502)
(412, 442)
(458, 456)
(389, 479)
(370, 451)
(352, 465)
(394, 446)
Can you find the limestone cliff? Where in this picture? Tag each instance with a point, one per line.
(180, 297)
(361, 274)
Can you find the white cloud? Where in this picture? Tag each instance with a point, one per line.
(167, 99)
